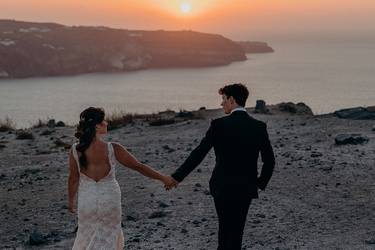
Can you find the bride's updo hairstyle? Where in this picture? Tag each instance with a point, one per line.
(86, 130)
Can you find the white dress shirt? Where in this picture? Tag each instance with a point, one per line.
(239, 109)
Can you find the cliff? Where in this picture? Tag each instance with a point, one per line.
(46, 49)
(255, 47)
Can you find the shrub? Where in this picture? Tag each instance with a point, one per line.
(119, 119)
(7, 125)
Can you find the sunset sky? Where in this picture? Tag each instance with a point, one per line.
(238, 19)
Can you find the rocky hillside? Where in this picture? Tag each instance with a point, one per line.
(321, 195)
(47, 49)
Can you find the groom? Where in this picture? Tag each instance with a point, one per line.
(237, 140)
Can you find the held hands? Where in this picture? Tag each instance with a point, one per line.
(169, 182)
(72, 208)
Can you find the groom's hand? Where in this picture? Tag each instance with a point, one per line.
(72, 208)
(170, 183)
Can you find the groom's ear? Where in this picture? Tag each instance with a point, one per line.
(232, 100)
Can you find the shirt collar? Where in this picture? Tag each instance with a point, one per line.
(238, 109)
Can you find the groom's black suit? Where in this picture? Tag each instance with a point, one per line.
(237, 140)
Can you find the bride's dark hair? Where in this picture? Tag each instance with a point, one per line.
(86, 130)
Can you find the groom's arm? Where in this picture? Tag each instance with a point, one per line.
(196, 156)
(268, 159)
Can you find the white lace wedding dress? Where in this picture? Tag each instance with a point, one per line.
(99, 210)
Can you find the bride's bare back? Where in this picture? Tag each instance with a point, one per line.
(98, 165)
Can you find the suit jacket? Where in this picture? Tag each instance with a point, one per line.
(237, 140)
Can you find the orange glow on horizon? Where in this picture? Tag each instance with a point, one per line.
(219, 16)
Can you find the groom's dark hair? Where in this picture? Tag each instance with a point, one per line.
(238, 91)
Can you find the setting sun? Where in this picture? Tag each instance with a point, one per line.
(185, 7)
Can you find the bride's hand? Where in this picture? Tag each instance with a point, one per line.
(72, 208)
(169, 182)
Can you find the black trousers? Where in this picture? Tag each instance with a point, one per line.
(232, 213)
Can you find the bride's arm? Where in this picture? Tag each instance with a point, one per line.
(73, 182)
(128, 160)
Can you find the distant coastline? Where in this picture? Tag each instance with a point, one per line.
(32, 49)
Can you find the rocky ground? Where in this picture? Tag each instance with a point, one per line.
(320, 197)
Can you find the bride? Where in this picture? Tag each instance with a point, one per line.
(92, 175)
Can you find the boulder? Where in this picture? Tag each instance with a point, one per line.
(353, 139)
(261, 107)
(357, 113)
(51, 123)
(370, 109)
(299, 108)
(60, 124)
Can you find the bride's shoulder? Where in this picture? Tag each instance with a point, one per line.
(116, 145)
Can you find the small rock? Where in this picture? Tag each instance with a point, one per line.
(370, 241)
(60, 143)
(46, 132)
(159, 224)
(158, 214)
(2, 177)
(36, 238)
(135, 240)
(169, 149)
(326, 168)
(130, 218)
(353, 139)
(184, 231)
(24, 135)
(206, 192)
(316, 154)
(196, 222)
(28, 172)
(163, 205)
